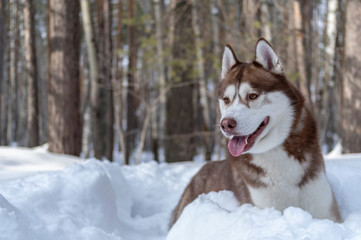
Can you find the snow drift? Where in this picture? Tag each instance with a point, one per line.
(102, 200)
(219, 216)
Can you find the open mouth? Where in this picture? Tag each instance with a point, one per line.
(239, 144)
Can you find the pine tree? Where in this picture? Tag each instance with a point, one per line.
(64, 125)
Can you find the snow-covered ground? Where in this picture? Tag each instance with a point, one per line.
(41, 200)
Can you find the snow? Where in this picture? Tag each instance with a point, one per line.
(50, 196)
(20, 162)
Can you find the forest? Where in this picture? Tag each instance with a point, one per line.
(112, 79)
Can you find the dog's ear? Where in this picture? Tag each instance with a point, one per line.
(228, 60)
(267, 57)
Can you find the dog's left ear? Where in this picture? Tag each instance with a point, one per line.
(267, 57)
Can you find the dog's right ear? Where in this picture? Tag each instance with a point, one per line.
(228, 60)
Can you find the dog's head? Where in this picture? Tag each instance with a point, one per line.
(257, 103)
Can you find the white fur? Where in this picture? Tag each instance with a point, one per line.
(316, 197)
(265, 55)
(243, 90)
(228, 61)
(281, 114)
(276, 105)
(247, 119)
(283, 173)
(282, 176)
(230, 92)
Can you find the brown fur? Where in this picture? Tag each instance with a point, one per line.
(236, 173)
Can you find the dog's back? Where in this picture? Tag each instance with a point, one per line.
(274, 156)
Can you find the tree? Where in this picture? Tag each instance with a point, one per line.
(32, 73)
(328, 116)
(105, 105)
(295, 55)
(131, 101)
(179, 127)
(2, 68)
(161, 72)
(300, 51)
(307, 8)
(214, 10)
(338, 63)
(12, 121)
(202, 79)
(351, 101)
(96, 64)
(118, 82)
(249, 12)
(64, 125)
(93, 83)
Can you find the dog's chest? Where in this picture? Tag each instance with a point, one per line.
(280, 183)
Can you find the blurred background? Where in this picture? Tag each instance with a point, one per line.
(128, 80)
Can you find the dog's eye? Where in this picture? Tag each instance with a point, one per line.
(226, 100)
(252, 96)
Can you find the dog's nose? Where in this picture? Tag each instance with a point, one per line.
(228, 124)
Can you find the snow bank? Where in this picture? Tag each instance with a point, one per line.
(101, 200)
(86, 201)
(18, 162)
(218, 216)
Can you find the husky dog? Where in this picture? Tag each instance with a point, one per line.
(274, 156)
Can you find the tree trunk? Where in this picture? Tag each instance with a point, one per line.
(2, 68)
(328, 119)
(96, 91)
(249, 17)
(235, 13)
(162, 83)
(154, 134)
(17, 64)
(102, 93)
(64, 124)
(265, 19)
(179, 105)
(118, 82)
(351, 109)
(202, 80)
(338, 64)
(7, 75)
(32, 73)
(214, 10)
(131, 101)
(299, 51)
(215, 33)
(106, 59)
(89, 116)
(307, 8)
(13, 73)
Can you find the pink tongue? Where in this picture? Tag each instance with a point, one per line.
(236, 145)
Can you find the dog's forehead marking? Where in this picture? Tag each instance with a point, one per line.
(230, 92)
(244, 88)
